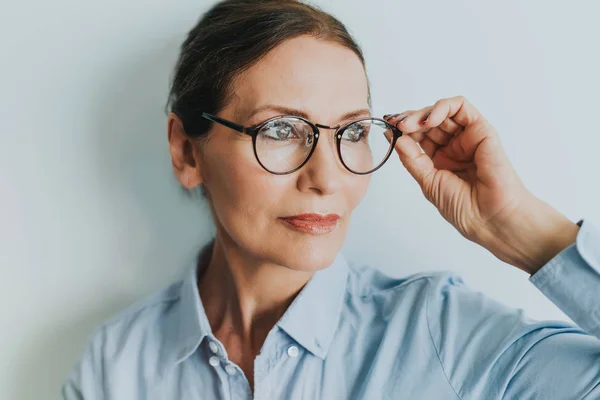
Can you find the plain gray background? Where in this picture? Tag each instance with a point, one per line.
(91, 218)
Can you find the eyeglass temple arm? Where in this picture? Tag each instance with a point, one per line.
(229, 124)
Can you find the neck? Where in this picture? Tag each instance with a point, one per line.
(245, 296)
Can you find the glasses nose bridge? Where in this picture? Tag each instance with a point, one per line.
(321, 126)
(336, 129)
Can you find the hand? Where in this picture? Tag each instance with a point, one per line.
(464, 171)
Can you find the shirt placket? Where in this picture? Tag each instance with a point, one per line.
(233, 381)
(261, 369)
(264, 362)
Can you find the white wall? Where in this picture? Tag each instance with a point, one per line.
(91, 218)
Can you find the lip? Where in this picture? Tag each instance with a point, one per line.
(314, 224)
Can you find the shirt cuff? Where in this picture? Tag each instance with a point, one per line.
(571, 280)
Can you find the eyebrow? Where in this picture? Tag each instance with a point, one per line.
(300, 113)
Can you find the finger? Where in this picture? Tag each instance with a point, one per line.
(448, 125)
(438, 136)
(450, 114)
(423, 120)
(461, 111)
(395, 119)
(413, 120)
(458, 108)
(429, 147)
(417, 136)
(417, 163)
(463, 147)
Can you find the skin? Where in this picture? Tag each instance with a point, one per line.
(259, 265)
(464, 171)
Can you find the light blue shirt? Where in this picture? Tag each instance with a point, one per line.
(355, 333)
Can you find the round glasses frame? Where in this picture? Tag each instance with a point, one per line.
(339, 130)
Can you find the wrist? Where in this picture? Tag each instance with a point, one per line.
(531, 237)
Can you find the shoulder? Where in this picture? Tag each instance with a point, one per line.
(365, 282)
(476, 339)
(142, 318)
(466, 332)
(395, 299)
(444, 294)
(451, 308)
(128, 341)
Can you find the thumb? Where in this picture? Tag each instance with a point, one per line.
(418, 164)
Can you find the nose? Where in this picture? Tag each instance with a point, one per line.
(323, 173)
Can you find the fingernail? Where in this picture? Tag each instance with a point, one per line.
(386, 116)
(402, 119)
(426, 116)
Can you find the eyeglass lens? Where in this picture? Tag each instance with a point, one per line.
(282, 145)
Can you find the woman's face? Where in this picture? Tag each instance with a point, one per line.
(323, 80)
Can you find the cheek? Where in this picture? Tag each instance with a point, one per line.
(357, 188)
(246, 201)
(242, 192)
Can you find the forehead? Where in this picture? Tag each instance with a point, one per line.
(322, 78)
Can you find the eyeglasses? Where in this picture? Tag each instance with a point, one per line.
(283, 144)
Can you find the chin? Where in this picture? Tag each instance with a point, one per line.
(312, 255)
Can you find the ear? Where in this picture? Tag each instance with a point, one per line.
(184, 157)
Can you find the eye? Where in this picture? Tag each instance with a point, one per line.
(279, 130)
(356, 132)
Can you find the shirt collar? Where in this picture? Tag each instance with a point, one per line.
(313, 317)
(191, 324)
(318, 306)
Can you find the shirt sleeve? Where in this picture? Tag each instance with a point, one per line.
(572, 279)
(84, 381)
(491, 351)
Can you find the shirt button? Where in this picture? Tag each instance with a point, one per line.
(292, 351)
(214, 361)
(213, 347)
(230, 369)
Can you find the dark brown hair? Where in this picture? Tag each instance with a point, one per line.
(231, 37)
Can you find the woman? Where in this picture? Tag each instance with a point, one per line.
(270, 115)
